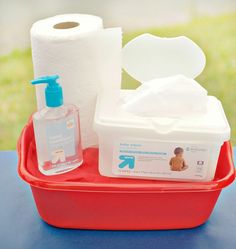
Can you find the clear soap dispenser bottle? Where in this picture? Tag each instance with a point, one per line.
(57, 131)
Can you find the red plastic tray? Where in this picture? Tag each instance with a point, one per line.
(84, 199)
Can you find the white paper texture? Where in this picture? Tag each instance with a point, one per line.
(175, 96)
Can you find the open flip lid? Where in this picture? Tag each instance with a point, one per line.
(166, 67)
(149, 57)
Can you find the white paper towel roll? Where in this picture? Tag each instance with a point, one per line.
(85, 56)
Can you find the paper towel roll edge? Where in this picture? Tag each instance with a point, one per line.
(38, 31)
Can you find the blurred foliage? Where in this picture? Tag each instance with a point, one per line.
(215, 35)
(17, 100)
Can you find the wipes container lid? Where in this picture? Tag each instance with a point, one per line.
(166, 68)
(149, 57)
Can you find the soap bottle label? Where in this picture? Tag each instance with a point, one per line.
(60, 136)
(160, 159)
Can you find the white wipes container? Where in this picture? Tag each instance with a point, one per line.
(142, 147)
(159, 145)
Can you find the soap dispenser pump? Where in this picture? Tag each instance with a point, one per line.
(57, 131)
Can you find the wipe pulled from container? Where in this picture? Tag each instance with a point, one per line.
(173, 96)
(166, 68)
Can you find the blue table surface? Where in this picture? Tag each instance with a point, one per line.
(22, 228)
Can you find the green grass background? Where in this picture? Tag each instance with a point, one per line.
(216, 36)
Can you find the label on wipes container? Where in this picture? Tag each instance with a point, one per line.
(160, 159)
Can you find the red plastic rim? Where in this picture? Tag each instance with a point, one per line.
(127, 186)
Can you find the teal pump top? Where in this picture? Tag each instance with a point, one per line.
(53, 90)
